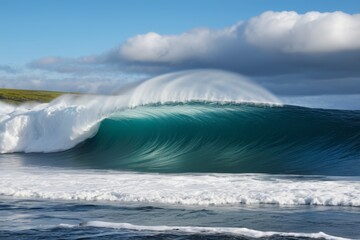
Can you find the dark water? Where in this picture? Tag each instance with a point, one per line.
(36, 219)
(221, 139)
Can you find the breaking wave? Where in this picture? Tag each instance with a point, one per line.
(193, 121)
(185, 189)
(69, 120)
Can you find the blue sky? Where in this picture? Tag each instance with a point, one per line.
(293, 48)
(34, 29)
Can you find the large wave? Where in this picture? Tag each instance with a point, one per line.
(68, 120)
(194, 121)
(199, 137)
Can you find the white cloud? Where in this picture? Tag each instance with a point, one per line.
(308, 33)
(306, 47)
(287, 32)
(195, 44)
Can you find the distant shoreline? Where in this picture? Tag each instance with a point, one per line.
(18, 96)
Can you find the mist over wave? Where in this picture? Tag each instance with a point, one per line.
(200, 85)
(67, 121)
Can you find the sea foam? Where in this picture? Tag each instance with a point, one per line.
(188, 189)
(209, 230)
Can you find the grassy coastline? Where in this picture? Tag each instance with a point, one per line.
(17, 96)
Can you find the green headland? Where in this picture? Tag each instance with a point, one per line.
(16, 96)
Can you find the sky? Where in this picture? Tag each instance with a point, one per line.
(292, 48)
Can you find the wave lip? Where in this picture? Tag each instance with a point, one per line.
(67, 121)
(208, 230)
(200, 85)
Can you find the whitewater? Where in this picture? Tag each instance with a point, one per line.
(74, 119)
(192, 154)
(187, 189)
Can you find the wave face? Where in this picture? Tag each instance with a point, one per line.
(69, 120)
(193, 121)
(222, 138)
(229, 138)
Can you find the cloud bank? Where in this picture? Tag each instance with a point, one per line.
(273, 43)
(280, 32)
(290, 53)
(7, 69)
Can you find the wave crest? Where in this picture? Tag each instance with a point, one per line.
(200, 85)
(68, 121)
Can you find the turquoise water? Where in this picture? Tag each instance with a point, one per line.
(192, 171)
(218, 138)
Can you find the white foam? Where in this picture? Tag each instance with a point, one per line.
(208, 230)
(54, 126)
(200, 189)
(67, 121)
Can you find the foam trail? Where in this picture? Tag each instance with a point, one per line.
(198, 189)
(67, 121)
(208, 230)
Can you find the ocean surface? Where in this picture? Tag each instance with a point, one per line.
(221, 158)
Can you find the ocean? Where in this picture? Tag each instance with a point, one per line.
(228, 162)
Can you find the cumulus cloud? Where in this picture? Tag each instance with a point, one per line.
(284, 32)
(312, 32)
(197, 44)
(311, 46)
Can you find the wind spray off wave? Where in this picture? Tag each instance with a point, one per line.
(203, 86)
(67, 121)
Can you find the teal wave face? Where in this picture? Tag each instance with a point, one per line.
(228, 138)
